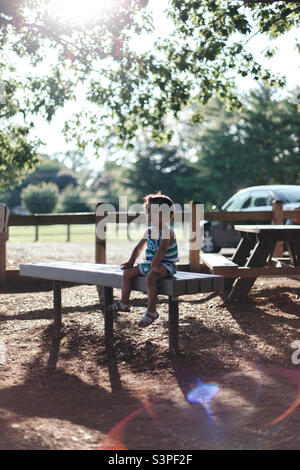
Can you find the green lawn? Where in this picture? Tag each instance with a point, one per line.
(78, 233)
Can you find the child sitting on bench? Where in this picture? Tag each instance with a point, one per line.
(160, 257)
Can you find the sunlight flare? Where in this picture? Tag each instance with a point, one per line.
(77, 11)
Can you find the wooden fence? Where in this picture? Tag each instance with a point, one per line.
(276, 216)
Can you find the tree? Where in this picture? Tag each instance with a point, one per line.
(66, 178)
(257, 146)
(133, 90)
(40, 199)
(18, 155)
(46, 171)
(110, 184)
(161, 168)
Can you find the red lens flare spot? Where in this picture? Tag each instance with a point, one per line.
(294, 376)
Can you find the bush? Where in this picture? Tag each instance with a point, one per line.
(40, 198)
(74, 200)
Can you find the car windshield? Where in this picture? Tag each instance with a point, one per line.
(292, 195)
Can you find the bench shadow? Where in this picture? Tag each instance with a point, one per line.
(77, 340)
(254, 320)
(47, 313)
(199, 301)
(37, 285)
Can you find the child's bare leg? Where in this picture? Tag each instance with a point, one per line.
(128, 275)
(152, 278)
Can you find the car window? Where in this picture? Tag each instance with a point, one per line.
(238, 202)
(260, 198)
(292, 195)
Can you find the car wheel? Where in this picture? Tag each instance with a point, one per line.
(208, 245)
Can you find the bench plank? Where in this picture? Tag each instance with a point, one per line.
(215, 260)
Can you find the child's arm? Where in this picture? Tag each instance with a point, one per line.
(162, 250)
(135, 253)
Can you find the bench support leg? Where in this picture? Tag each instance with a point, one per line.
(173, 326)
(57, 302)
(108, 317)
(257, 259)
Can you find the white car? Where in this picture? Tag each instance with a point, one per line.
(217, 235)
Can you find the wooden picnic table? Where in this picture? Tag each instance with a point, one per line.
(253, 257)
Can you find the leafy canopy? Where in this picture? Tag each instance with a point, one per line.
(257, 146)
(128, 90)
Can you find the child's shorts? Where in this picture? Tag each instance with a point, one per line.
(145, 267)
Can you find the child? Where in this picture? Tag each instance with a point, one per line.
(160, 258)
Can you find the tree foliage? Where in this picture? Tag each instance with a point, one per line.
(18, 155)
(66, 178)
(259, 145)
(162, 168)
(133, 90)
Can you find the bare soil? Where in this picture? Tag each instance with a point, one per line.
(59, 390)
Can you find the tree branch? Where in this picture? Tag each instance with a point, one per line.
(271, 24)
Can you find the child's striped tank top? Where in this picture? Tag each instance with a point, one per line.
(171, 255)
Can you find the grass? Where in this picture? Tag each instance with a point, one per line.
(78, 233)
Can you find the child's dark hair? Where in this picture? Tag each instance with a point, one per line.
(159, 199)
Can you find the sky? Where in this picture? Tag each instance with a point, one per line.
(285, 62)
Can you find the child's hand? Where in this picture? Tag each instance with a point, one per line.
(127, 264)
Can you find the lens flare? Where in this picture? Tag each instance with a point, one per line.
(203, 394)
(295, 377)
(76, 11)
(114, 439)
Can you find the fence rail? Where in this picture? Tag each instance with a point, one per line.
(88, 218)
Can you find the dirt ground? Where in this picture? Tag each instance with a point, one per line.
(236, 384)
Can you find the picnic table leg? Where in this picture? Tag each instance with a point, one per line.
(240, 257)
(108, 317)
(57, 303)
(257, 259)
(294, 252)
(173, 326)
(296, 246)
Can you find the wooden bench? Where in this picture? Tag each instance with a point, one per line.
(218, 264)
(110, 277)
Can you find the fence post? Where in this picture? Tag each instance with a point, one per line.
(2, 257)
(68, 232)
(277, 219)
(100, 255)
(36, 233)
(194, 254)
(100, 251)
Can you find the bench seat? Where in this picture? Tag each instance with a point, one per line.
(110, 277)
(216, 263)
